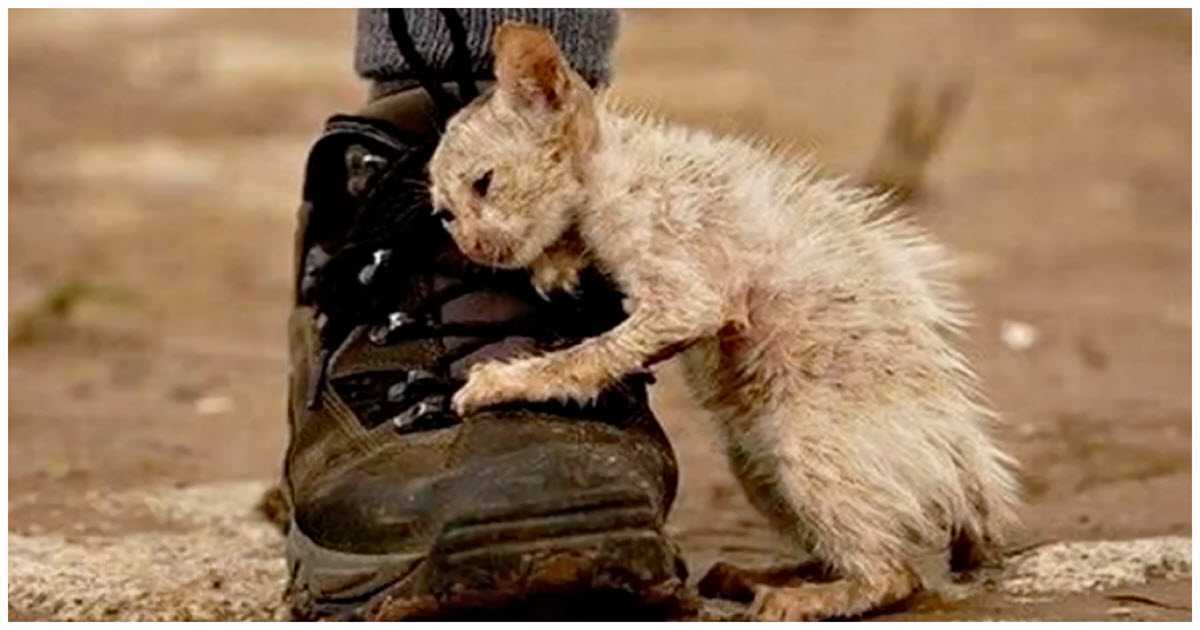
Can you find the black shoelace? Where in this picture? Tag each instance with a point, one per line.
(460, 59)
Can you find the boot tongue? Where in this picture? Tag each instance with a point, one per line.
(411, 110)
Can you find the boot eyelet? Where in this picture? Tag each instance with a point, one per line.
(368, 273)
(379, 335)
(395, 393)
(430, 413)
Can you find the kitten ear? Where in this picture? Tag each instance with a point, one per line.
(529, 66)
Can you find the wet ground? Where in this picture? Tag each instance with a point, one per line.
(155, 161)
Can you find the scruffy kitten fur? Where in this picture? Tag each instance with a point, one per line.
(817, 333)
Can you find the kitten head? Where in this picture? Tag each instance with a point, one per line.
(510, 170)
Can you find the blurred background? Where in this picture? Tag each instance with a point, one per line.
(155, 161)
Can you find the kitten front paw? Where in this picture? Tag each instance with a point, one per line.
(555, 274)
(487, 384)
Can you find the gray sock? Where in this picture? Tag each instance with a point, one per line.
(586, 37)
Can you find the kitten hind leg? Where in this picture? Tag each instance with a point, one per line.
(736, 583)
(820, 503)
(841, 598)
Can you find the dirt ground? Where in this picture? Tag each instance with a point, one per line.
(154, 170)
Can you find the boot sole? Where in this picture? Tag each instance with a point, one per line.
(604, 562)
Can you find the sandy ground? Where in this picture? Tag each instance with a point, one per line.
(155, 161)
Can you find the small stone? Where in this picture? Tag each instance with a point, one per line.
(214, 405)
(1019, 336)
(1076, 567)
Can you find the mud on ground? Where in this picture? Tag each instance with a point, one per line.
(155, 161)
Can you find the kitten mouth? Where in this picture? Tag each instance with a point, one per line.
(505, 262)
(499, 256)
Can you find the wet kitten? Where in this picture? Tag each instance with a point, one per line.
(816, 331)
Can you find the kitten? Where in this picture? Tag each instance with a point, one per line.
(817, 333)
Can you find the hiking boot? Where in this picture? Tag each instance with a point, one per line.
(399, 508)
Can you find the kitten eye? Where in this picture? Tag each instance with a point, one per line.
(482, 184)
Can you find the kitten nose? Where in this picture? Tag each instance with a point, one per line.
(471, 246)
